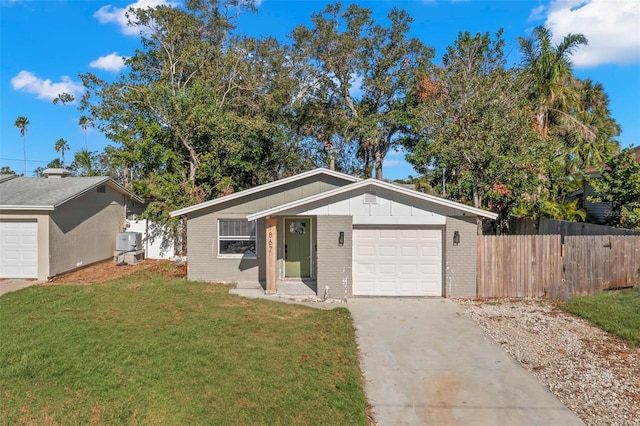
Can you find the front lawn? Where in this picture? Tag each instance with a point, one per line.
(153, 350)
(617, 312)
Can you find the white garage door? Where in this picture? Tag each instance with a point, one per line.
(397, 262)
(18, 249)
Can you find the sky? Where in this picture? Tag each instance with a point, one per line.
(46, 44)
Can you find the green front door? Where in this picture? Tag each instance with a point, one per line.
(297, 248)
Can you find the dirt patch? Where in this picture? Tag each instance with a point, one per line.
(108, 270)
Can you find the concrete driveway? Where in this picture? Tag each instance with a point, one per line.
(427, 363)
(9, 285)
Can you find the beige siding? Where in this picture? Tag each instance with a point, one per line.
(43, 236)
(460, 260)
(83, 231)
(204, 262)
(334, 262)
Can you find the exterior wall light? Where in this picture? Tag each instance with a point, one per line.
(456, 238)
(341, 239)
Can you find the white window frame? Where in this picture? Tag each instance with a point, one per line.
(253, 238)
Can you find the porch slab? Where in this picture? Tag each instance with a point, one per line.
(296, 288)
(252, 290)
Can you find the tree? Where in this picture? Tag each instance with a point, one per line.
(619, 187)
(330, 52)
(569, 113)
(592, 110)
(360, 74)
(6, 170)
(472, 125)
(199, 112)
(61, 146)
(87, 163)
(22, 122)
(53, 164)
(392, 65)
(549, 70)
(85, 122)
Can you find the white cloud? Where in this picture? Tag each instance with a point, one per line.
(111, 14)
(537, 13)
(392, 163)
(394, 158)
(26, 81)
(611, 26)
(112, 62)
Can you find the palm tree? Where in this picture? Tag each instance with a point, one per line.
(85, 122)
(61, 146)
(83, 163)
(549, 68)
(22, 122)
(592, 111)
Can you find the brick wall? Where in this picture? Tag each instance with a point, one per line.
(334, 262)
(460, 260)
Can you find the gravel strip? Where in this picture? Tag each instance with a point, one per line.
(595, 374)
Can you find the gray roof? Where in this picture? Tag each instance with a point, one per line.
(6, 177)
(48, 193)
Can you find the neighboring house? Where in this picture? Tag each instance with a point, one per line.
(57, 223)
(597, 212)
(343, 235)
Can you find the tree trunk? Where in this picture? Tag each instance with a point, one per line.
(378, 164)
(194, 159)
(477, 200)
(332, 156)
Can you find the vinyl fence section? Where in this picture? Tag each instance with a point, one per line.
(540, 265)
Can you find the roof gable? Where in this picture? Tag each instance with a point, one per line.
(266, 188)
(23, 193)
(367, 185)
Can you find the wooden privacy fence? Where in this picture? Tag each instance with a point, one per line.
(541, 265)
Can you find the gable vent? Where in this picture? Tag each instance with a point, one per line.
(370, 197)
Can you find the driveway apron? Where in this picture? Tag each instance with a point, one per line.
(427, 363)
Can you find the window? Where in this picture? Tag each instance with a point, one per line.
(236, 238)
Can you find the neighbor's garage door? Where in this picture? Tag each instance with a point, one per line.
(18, 249)
(397, 262)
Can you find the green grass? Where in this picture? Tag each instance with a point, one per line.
(617, 312)
(153, 350)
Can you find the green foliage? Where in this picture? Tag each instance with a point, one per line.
(61, 146)
(619, 187)
(474, 125)
(87, 163)
(149, 349)
(617, 312)
(199, 113)
(22, 123)
(356, 77)
(571, 114)
(6, 170)
(203, 111)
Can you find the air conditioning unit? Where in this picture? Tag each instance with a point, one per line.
(128, 241)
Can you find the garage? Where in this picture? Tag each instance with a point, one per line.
(18, 249)
(397, 261)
